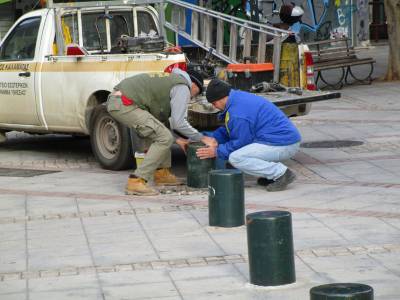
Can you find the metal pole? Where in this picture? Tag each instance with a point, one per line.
(344, 291)
(226, 198)
(270, 244)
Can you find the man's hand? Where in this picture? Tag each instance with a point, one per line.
(206, 152)
(209, 141)
(183, 143)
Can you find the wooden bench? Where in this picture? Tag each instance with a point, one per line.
(338, 54)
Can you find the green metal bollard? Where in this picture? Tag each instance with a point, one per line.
(225, 198)
(270, 244)
(342, 291)
(197, 169)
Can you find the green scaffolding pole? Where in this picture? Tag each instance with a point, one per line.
(4, 1)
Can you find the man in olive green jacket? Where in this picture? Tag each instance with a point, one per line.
(147, 103)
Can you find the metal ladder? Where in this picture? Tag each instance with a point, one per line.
(203, 21)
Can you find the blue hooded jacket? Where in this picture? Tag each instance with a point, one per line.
(252, 119)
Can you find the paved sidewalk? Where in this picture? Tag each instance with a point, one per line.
(73, 234)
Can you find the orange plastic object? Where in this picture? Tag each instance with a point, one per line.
(250, 67)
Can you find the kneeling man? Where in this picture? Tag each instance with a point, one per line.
(256, 137)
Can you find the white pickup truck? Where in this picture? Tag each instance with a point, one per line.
(48, 90)
(58, 66)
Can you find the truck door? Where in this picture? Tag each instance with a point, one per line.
(17, 74)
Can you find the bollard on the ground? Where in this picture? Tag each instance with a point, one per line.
(342, 291)
(197, 169)
(270, 244)
(225, 198)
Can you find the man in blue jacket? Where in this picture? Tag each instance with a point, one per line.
(256, 137)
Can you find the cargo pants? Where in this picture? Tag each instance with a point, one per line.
(146, 127)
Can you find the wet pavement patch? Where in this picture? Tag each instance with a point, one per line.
(331, 144)
(7, 172)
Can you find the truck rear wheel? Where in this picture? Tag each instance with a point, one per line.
(110, 140)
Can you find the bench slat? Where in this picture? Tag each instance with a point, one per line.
(340, 64)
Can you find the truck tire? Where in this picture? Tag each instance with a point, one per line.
(110, 140)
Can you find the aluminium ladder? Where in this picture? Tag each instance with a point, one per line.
(203, 21)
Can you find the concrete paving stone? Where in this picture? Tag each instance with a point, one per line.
(140, 291)
(49, 273)
(62, 227)
(368, 201)
(164, 298)
(188, 288)
(136, 277)
(70, 294)
(12, 232)
(86, 205)
(50, 205)
(349, 268)
(13, 296)
(390, 261)
(43, 261)
(186, 247)
(329, 173)
(12, 203)
(226, 295)
(325, 154)
(113, 254)
(357, 249)
(72, 283)
(10, 246)
(180, 263)
(360, 230)
(364, 171)
(231, 241)
(196, 261)
(201, 216)
(314, 234)
(392, 222)
(104, 269)
(164, 222)
(30, 274)
(141, 266)
(159, 264)
(123, 268)
(11, 276)
(12, 287)
(114, 231)
(203, 272)
(13, 262)
(384, 289)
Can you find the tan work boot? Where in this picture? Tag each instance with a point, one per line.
(165, 177)
(138, 186)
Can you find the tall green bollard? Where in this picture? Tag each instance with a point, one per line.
(270, 244)
(225, 198)
(197, 169)
(342, 291)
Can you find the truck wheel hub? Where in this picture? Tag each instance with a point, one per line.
(109, 138)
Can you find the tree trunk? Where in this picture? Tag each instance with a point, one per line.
(392, 10)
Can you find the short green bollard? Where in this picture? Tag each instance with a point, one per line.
(197, 169)
(225, 198)
(342, 291)
(270, 244)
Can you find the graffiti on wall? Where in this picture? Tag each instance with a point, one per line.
(324, 19)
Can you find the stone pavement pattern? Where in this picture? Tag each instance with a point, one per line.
(74, 235)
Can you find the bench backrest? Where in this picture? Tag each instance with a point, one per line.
(332, 49)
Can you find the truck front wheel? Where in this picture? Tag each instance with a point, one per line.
(110, 140)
